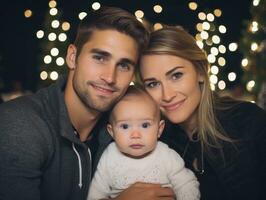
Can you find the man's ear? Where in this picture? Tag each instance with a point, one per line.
(71, 56)
(161, 127)
(110, 129)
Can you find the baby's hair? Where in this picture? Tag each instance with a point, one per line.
(138, 91)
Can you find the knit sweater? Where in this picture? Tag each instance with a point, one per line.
(40, 156)
(164, 166)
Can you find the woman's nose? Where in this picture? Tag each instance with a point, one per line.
(168, 94)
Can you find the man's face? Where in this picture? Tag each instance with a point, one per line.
(104, 68)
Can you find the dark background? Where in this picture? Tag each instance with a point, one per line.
(19, 47)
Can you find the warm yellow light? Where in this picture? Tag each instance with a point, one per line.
(47, 59)
(55, 24)
(54, 51)
(214, 51)
(211, 58)
(233, 46)
(96, 6)
(250, 85)
(52, 37)
(200, 44)
(202, 16)
(157, 8)
(193, 5)
(222, 48)
(244, 62)
(157, 26)
(210, 17)
(199, 27)
(204, 35)
(222, 29)
(82, 15)
(139, 14)
(213, 79)
(198, 37)
(54, 75)
(62, 37)
(43, 75)
(232, 76)
(206, 25)
(28, 13)
(214, 69)
(254, 46)
(52, 4)
(66, 26)
(221, 61)
(256, 2)
(217, 12)
(212, 86)
(221, 85)
(40, 34)
(53, 11)
(60, 61)
(216, 39)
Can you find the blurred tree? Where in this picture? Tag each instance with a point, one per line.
(253, 47)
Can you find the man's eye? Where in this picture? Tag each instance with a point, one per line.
(146, 125)
(98, 57)
(124, 66)
(124, 126)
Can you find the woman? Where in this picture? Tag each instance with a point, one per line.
(222, 140)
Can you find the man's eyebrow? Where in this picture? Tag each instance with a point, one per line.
(101, 52)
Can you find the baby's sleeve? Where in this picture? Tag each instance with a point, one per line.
(183, 180)
(99, 187)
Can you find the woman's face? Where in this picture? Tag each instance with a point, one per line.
(173, 82)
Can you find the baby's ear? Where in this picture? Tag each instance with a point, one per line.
(161, 127)
(110, 129)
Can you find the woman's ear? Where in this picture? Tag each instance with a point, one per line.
(110, 129)
(200, 78)
(71, 56)
(161, 127)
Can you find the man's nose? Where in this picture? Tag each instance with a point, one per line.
(109, 74)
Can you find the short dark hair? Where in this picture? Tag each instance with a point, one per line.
(111, 18)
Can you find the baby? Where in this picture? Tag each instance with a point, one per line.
(137, 155)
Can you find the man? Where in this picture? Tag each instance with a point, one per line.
(49, 140)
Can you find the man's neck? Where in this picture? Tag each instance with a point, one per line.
(82, 118)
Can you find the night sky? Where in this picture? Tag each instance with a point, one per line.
(19, 46)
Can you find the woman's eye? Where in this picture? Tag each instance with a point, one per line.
(177, 75)
(124, 126)
(146, 125)
(151, 84)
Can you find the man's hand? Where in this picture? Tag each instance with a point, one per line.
(146, 191)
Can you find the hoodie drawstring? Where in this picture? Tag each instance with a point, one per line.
(80, 167)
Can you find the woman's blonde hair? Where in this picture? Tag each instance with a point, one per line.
(176, 41)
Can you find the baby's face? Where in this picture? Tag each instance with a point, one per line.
(136, 126)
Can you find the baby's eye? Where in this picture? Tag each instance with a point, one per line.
(124, 126)
(146, 125)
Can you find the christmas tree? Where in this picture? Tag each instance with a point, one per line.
(53, 46)
(253, 47)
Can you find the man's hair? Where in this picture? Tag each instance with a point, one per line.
(111, 18)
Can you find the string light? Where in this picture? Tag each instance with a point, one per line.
(157, 8)
(28, 13)
(96, 6)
